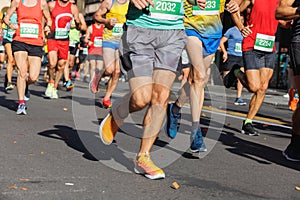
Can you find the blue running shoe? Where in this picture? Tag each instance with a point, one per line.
(172, 124)
(239, 102)
(198, 142)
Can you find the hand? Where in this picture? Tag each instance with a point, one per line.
(47, 29)
(201, 4)
(246, 31)
(141, 4)
(225, 56)
(232, 6)
(13, 26)
(73, 25)
(286, 23)
(110, 22)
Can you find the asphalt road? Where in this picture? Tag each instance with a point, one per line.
(54, 152)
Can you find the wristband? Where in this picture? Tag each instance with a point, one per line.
(298, 10)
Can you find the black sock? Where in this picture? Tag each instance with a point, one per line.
(26, 88)
(175, 109)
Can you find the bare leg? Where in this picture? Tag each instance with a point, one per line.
(21, 61)
(52, 64)
(34, 68)
(67, 67)
(10, 63)
(111, 62)
(61, 65)
(239, 87)
(200, 72)
(162, 83)
(92, 67)
(258, 83)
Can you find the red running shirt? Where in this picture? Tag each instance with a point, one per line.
(96, 38)
(30, 29)
(263, 19)
(61, 21)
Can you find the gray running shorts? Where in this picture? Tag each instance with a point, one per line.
(295, 57)
(255, 59)
(144, 50)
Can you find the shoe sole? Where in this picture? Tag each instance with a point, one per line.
(197, 150)
(288, 158)
(9, 88)
(106, 107)
(240, 104)
(70, 88)
(100, 130)
(156, 177)
(247, 133)
(22, 113)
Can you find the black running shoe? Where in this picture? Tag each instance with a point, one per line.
(292, 153)
(248, 129)
(230, 78)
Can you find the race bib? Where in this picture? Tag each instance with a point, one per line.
(77, 53)
(117, 30)
(85, 51)
(264, 42)
(166, 9)
(61, 33)
(98, 42)
(72, 43)
(238, 47)
(28, 30)
(184, 58)
(212, 8)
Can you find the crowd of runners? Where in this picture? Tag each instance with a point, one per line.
(148, 40)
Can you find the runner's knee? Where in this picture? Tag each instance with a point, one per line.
(33, 77)
(141, 99)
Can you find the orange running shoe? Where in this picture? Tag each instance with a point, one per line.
(108, 129)
(106, 103)
(144, 165)
(294, 99)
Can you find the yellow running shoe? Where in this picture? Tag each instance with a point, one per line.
(144, 165)
(108, 129)
(49, 89)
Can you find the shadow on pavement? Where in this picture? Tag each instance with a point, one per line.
(9, 104)
(257, 152)
(70, 137)
(89, 144)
